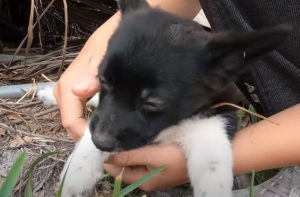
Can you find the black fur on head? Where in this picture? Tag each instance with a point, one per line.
(160, 69)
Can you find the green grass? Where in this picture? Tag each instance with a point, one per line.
(15, 171)
(252, 183)
(12, 176)
(241, 115)
(29, 188)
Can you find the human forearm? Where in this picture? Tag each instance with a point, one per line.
(266, 145)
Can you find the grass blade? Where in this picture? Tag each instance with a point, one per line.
(28, 187)
(252, 183)
(254, 119)
(118, 182)
(240, 119)
(12, 177)
(136, 184)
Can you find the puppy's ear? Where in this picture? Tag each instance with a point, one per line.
(231, 51)
(131, 5)
(253, 44)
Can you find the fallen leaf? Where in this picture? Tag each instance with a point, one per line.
(47, 115)
(19, 141)
(13, 143)
(2, 132)
(57, 115)
(28, 139)
(13, 117)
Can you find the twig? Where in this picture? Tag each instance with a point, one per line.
(48, 79)
(27, 104)
(241, 108)
(23, 41)
(22, 49)
(40, 27)
(30, 31)
(31, 134)
(66, 38)
(46, 112)
(31, 90)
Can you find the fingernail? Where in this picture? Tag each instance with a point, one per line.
(80, 86)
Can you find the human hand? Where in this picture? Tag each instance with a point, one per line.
(141, 161)
(77, 84)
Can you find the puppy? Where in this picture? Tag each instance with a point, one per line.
(160, 77)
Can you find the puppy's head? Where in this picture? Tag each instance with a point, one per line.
(160, 68)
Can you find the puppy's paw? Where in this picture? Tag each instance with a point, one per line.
(83, 168)
(94, 101)
(214, 182)
(46, 96)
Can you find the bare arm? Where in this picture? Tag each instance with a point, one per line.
(258, 147)
(79, 81)
(266, 145)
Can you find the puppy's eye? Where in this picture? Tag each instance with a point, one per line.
(155, 104)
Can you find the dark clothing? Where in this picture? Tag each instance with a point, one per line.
(274, 82)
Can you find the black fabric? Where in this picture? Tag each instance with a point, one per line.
(275, 79)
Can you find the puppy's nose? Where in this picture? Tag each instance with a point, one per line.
(104, 142)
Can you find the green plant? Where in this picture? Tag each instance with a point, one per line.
(12, 176)
(28, 187)
(240, 115)
(254, 119)
(136, 184)
(252, 183)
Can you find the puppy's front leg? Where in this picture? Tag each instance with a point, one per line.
(209, 155)
(84, 168)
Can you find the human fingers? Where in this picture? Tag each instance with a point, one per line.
(137, 166)
(82, 82)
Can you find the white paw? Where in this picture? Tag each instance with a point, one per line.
(216, 181)
(46, 96)
(84, 168)
(94, 101)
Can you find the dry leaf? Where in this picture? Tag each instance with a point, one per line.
(13, 117)
(47, 115)
(13, 143)
(28, 139)
(19, 141)
(2, 132)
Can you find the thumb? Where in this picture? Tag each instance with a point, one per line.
(89, 85)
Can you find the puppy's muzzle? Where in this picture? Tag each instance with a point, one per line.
(104, 142)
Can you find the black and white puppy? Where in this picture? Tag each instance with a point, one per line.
(159, 78)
